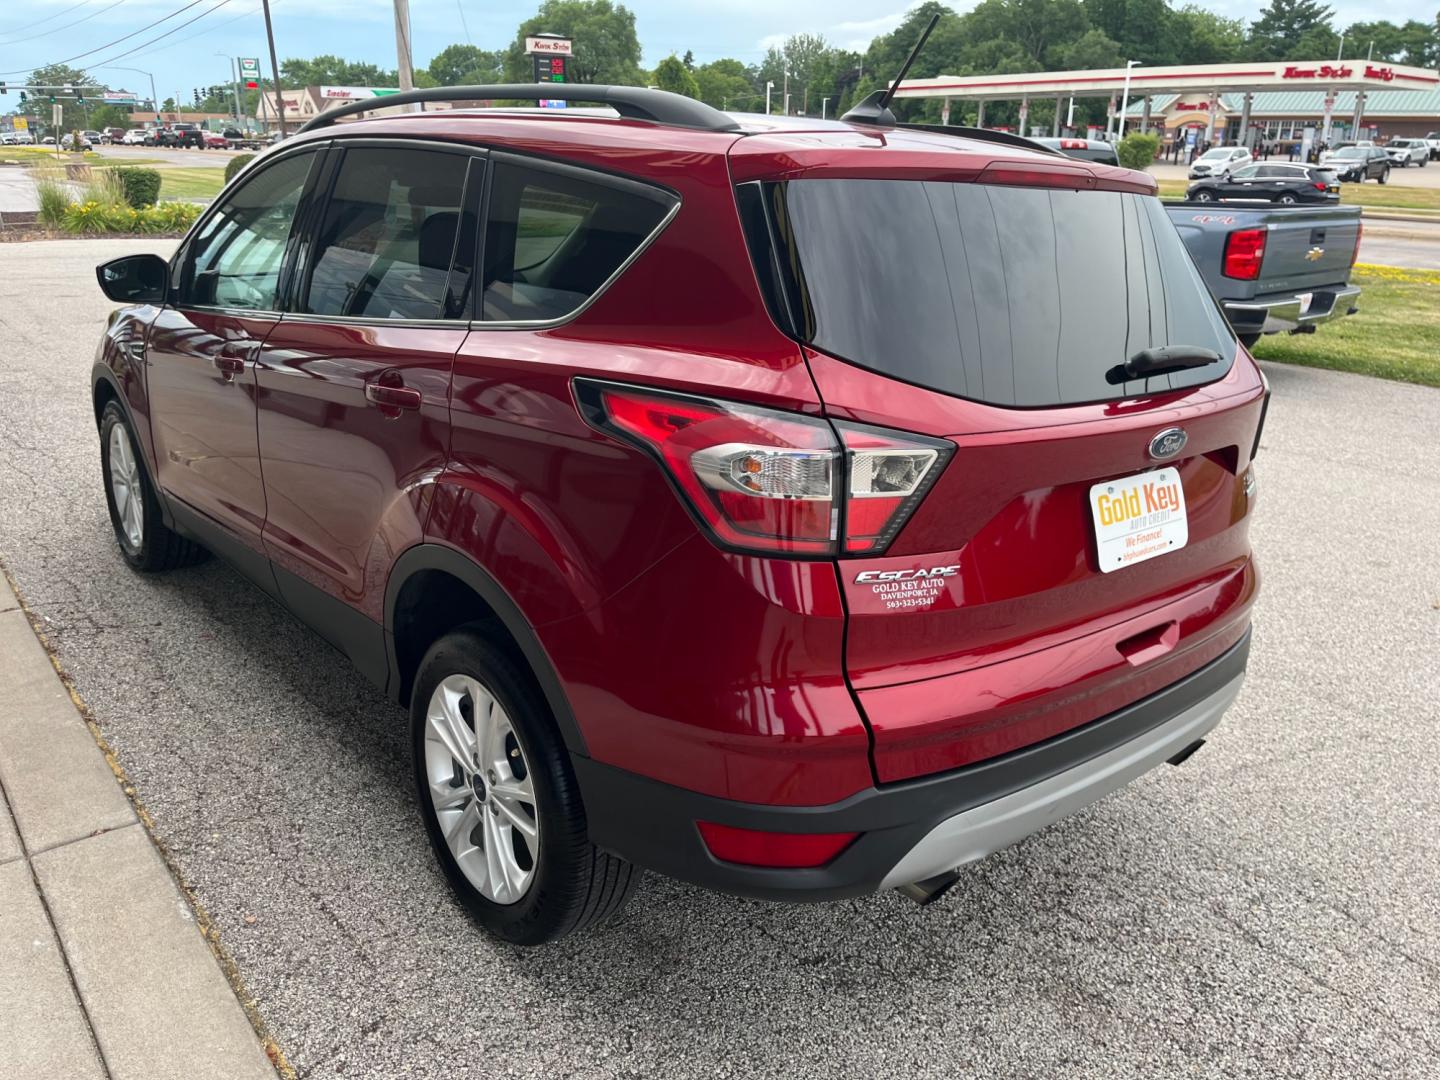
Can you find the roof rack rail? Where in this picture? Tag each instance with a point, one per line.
(986, 134)
(631, 102)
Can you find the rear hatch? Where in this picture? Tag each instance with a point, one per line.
(1307, 249)
(998, 315)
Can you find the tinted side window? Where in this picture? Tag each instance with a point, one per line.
(235, 260)
(389, 234)
(552, 240)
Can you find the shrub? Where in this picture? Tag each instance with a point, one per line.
(238, 162)
(54, 197)
(1138, 151)
(141, 187)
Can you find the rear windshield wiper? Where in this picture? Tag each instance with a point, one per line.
(1161, 361)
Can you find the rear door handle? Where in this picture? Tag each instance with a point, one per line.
(392, 397)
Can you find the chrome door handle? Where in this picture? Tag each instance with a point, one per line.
(392, 397)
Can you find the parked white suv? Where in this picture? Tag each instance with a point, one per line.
(135, 137)
(1406, 152)
(1220, 161)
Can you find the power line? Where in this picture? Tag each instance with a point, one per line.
(117, 41)
(41, 22)
(63, 26)
(172, 30)
(198, 34)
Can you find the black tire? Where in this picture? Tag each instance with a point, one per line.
(1287, 200)
(1249, 340)
(160, 547)
(1203, 196)
(1384, 176)
(576, 885)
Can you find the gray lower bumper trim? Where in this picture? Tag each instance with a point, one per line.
(991, 826)
(1279, 316)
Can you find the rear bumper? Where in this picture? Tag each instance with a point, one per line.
(1272, 315)
(916, 829)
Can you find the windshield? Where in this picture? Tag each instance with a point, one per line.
(1349, 153)
(1214, 155)
(1011, 295)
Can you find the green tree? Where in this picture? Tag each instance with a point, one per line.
(1202, 37)
(333, 71)
(1092, 49)
(1277, 33)
(37, 103)
(606, 47)
(108, 116)
(466, 65)
(725, 85)
(1137, 151)
(671, 74)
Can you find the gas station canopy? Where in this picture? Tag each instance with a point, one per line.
(1178, 79)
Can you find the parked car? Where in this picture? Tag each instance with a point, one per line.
(1407, 152)
(1275, 270)
(704, 510)
(16, 138)
(1276, 182)
(213, 140)
(1220, 161)
(138, 137)
(181, 135)
(95, 137)
(1356, 164)
(1432, 141)
(1096, 150)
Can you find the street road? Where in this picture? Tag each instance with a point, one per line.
(1269, 909)
(1414, 244)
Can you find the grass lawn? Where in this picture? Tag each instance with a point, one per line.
(1394, 335)
(190, 183)
(45, 155)
(1380, 196)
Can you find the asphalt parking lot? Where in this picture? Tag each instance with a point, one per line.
(1268, 910)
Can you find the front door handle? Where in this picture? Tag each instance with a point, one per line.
(232, 359)
(390, 397)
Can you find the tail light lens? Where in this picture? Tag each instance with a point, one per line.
(764, 480)
(752, 847)
(1320, 185)
(1244, 252)
(1359, 232)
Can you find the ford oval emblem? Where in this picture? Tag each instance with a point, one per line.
(1168, 443)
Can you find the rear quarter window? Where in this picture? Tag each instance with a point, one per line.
(1014, 296)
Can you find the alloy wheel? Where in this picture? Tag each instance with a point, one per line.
(481, 789)
(125, 487)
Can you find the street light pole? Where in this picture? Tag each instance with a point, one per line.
(154, 100)
(1125, 99)
(824, 101)
(275, 68)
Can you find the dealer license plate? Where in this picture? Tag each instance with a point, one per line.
(1138, 517)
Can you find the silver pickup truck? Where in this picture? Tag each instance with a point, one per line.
(1274, 269)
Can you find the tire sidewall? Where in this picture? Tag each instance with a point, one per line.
(548, 908)
(138, 558)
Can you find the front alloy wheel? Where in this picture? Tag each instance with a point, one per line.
(125, 489)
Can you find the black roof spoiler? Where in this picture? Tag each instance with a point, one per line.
(985, 134)
(631, 102)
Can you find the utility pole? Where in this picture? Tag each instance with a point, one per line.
(402, 48)
(786, 108)
(824, 101)
(769, 85)
(275, 68)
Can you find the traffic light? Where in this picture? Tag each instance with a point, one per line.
(79, 94)
(22, 97)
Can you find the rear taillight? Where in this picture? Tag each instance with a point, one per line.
(752, 847)
(1320, 185)
(1359, 232)
(1244, 252)
(764, 480)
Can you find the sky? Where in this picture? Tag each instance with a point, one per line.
(365, 30)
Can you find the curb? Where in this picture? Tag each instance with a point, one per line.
(209, 931)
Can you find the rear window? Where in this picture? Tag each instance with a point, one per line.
(1009, 295)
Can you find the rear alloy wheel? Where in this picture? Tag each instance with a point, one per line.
(499, 797)
(1288, 200)
(146, 542)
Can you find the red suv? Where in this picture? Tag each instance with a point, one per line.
(797, 508)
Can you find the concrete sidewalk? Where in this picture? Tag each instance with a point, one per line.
(104, 971)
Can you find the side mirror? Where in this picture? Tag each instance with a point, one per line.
(134, 279)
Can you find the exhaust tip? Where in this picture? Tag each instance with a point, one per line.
(1184, 755)
(931, 889)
